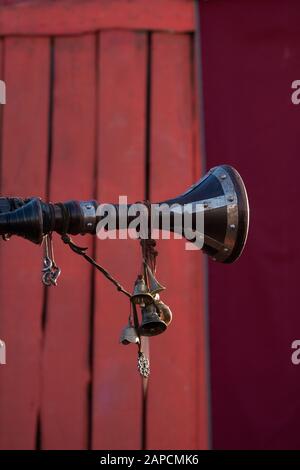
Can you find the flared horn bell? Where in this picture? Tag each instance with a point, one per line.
(154, 286)
(152, 324)
(141, 294)
(219, 200)
(129, 335)
(222, 198)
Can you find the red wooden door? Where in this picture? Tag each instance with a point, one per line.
(100, 103)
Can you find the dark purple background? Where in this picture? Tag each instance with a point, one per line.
(251, 55)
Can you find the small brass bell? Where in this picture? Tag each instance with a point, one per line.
(154, 286)
(152, 324)
(141, 295)
(165, 311)
(129, 335)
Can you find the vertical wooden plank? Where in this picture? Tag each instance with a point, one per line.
(177, 417)
(66, 371)
(122, 98)
(23, 169)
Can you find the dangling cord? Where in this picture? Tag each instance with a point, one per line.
(79, 250)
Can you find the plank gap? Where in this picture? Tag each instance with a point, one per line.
(93, 248)
(51, 111)
(38, 434)
(49, 158)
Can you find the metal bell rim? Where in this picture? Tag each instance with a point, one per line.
(123, 340)
(155, 331)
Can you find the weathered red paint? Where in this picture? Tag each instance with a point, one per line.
(98, 131)
(65, 17)
(23, 172)
(121, 130)
(177, 389)
(66, 371)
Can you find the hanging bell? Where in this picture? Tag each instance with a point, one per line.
(165, 311)
(152, 324)
(129, 335)
(141, 295)
(154, 286)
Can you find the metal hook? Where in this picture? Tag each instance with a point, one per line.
(55, 275)
(50, 271)
(47, 264)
